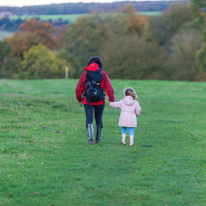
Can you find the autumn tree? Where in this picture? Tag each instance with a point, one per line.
(8, 65)
(21, 42)
(61, 33)
(88, 34)
(183, 48)
(43, 31)
(201, 59)
(198, 9)
(32, 33)
(113, 25)
(5, 50)
(127, 9)
(132, 57)
(162, 28)
(41, 63)
(84, 39)
(136, 22)
(75, 69)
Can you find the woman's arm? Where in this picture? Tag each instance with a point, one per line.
(80, 87)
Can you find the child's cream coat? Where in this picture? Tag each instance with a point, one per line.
(130, 110)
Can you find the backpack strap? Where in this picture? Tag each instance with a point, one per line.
(96, 77)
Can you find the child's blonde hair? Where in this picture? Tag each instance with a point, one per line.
(130, 92)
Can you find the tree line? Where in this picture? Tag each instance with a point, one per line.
(132, 46)
(81, 8)
(7, 24)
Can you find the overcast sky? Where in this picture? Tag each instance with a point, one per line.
(43, 2)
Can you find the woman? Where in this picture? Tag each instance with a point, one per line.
(93, 96)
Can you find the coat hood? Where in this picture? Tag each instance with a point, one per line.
(92, 67)
(128, 100)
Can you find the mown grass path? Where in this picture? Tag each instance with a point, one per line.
(45, 159)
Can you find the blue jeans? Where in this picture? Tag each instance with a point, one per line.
(131, 130)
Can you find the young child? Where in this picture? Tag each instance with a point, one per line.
(130, 110)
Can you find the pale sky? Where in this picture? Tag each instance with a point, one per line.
(44, 2)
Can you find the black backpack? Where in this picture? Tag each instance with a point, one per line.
(93, 90)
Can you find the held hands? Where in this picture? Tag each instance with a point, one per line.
(137, 115)
(81, 103)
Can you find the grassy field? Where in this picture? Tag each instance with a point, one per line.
(70, 17)
(5, 34)
(151, 13)
(45, 159)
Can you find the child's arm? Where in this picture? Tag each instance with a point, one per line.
(138, 109)
(108, 87)
(116, 104)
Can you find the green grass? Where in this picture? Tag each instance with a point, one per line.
(70, 17)
(5, 34)
(45, 159)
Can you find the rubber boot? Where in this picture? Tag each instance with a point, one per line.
(98, 133)
(90, 134)
(124, 139)
(131, 140)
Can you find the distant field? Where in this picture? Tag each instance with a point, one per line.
(5, 34)
(70, 17)
(151, 13)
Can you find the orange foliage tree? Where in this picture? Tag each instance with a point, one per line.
(127, 9)
(137, 22)
(61, 33)
(32, 33)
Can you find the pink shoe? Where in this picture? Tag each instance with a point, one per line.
(131, 140)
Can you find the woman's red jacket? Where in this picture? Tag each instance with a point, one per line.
(105, 84)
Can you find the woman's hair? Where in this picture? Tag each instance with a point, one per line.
(96, 60)
(130, 92)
